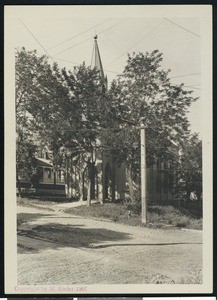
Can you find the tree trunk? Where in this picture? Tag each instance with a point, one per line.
(19, 187)
(80, 185)
(130, 184)
(55, 180)
(89, 185)
(89, 192)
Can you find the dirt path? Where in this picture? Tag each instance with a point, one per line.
(57, 248)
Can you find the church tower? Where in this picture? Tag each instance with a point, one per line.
(96, 62)
(111, 176)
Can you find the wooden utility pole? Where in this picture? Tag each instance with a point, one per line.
(143, 174)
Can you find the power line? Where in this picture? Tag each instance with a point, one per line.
(73, 46)
(112, 26)
(191, 74)
(89, 38)
(71, 62)
(172, 169)
(183, 27)
(35, 38)
(76, 63)
(112, 71)
(96, 129)
(190, 86)
(69, 39)
(135, 44)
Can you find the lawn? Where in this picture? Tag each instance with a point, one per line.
(158, 216)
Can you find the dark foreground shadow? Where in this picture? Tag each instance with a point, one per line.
(143, 244)
(52, 236)
(23, 218)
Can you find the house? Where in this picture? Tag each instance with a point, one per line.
(50, 182)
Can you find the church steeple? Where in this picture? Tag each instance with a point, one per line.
(96, 61)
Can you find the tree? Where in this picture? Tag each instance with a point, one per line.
(190, 174)
(62, 109)
(85, 88)
(144, 90)
(38, 93)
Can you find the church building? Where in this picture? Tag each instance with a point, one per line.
(102, 179)
(108, 179)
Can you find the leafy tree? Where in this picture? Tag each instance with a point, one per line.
(71, 114)
(190, 174)
(88, 97)
(62, 109)
(144, 91)
(38, 92)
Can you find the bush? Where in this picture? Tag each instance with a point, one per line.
(170, 215)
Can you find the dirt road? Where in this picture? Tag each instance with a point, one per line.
(57, 248)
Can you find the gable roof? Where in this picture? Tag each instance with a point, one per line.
(42, 162)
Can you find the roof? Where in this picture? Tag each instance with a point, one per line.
(96, 59)
(43, 162)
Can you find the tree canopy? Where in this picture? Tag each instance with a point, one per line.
(69, 112)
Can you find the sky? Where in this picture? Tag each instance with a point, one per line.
(66, 35)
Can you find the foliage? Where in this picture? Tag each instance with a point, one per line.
(57, 109)
(33, 86)
(69, 113)
(158, 216)
(144, 93)
(189, 177)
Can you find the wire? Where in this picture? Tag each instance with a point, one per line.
(76, 63)
(185, 75)
(115, 72)
(181, 170)
(194, 84)
(73, 46)
(112, 71)
(135, 44)
(72, 62)
(77, 34)
(190, 86)
(182, 27)
(96, 129)
(35, 38)
(112, 26)
(89, 38)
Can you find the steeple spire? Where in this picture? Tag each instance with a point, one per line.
(96, 61)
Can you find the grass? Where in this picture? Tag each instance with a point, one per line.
(169, 215)
(23, 218)
(158, 216)
(195, 277)
(41, 201)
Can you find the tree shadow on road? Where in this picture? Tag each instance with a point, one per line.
(144, 244)
(54, 235)
(23, 218)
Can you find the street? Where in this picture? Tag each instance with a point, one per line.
(58, 248)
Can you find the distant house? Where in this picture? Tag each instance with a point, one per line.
(45, 181)
(50, 182)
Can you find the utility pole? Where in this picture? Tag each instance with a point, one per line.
(143, 173)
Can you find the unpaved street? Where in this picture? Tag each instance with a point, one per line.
(58, 248)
